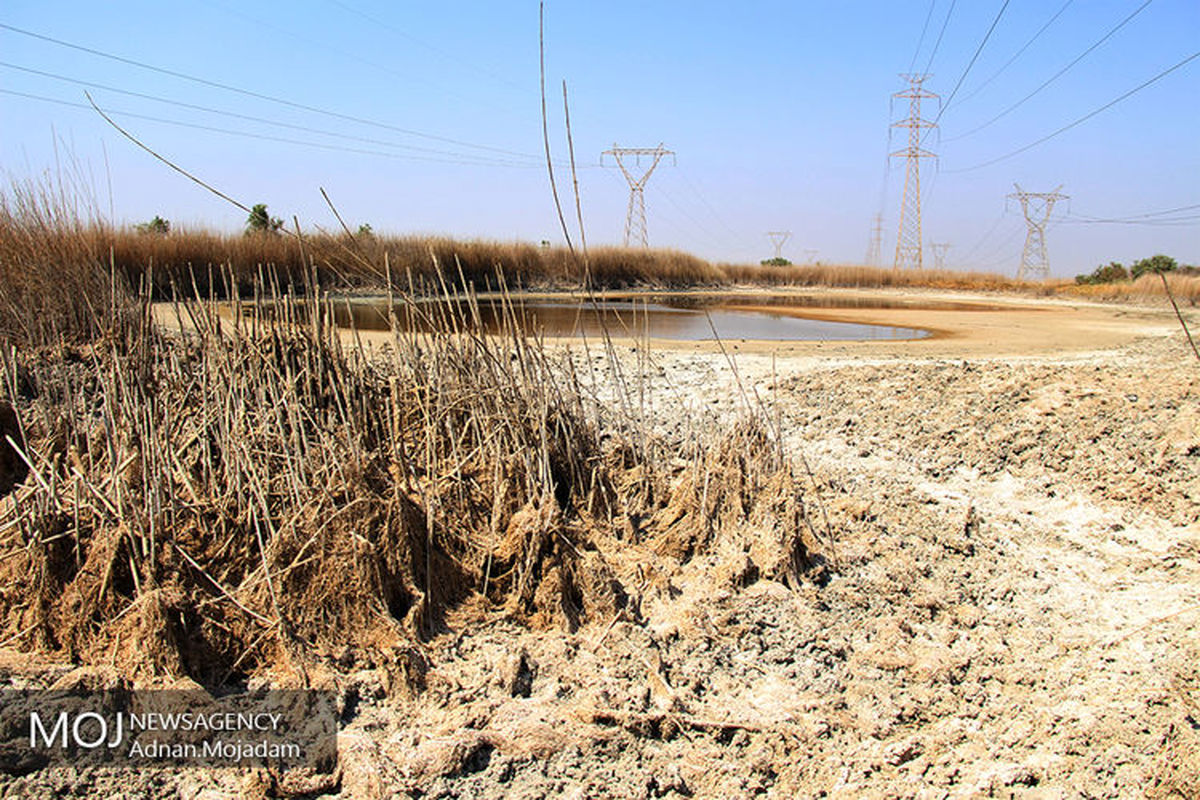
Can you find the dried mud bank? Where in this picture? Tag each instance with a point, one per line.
(1009, 608)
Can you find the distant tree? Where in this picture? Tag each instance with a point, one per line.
(1105, 273)
(777, 261)
(366, 231)
(260, 221)
(158, 226)
(1155, 263)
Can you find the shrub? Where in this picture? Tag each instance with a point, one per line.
(1111, 272)
(1155, 263)
(157, 226)
(777, 261)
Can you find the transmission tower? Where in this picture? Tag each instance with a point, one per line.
(939, 250)
(1037, 208)
(635, 217)
(779, 238)
(874, 248)
(908, 240)
(810, 255)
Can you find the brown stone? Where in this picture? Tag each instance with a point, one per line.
(12, 469)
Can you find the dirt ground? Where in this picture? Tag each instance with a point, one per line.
(1009, 608)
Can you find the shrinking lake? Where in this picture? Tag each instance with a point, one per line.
(683, 320)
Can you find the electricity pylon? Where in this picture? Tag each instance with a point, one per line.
(779, 238)
(635, 217)
(939, 254)
(1037, 208)
(874, 249)
(908, 240)
(810, 255)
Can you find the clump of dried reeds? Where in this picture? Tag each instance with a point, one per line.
(255, 493)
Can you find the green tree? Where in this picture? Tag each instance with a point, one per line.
(777, 261)
(158, 225)
(260, 221)
(1155, 263)
(366, 231)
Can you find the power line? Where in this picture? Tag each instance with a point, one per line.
(1146, 215)
(1055, 76)
(324, 45)
(984, 238)
(941, 33)
(921, 41)
(456, 58)
(1084, 118)
(260, 95)
(1018, 54)
(268, 138)
(1184, 220)
(738, 237)
(236, 115)
(978, 50)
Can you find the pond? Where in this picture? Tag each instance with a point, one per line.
(681, 318)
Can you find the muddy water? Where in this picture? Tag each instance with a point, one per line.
(680, 319)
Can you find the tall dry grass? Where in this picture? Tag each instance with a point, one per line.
(55, 276)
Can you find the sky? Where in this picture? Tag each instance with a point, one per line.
(425, 118)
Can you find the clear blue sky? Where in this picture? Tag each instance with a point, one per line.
(779, 113)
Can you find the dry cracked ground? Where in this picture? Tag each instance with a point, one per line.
(1010, 609)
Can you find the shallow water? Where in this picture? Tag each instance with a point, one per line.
(572, 317)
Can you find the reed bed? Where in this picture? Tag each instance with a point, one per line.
(855, 276)
(251, 494)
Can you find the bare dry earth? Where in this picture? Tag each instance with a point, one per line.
(1010, 608)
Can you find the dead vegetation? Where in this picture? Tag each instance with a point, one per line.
(256, 496)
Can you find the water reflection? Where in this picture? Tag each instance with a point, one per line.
(621, 318)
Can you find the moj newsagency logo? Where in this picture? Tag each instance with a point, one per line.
(283, 729)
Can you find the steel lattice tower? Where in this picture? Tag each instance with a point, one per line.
(875, 248)
(939, 250)
(779, 239)
(908, 240)
(635, 217)
(1037, 208)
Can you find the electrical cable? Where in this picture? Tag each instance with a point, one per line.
(941, 33)
(281, 139)
(1055, 76)
(236, 115)
(1019, 52)
(1082, 119)
(262, 96)
(921, 41)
